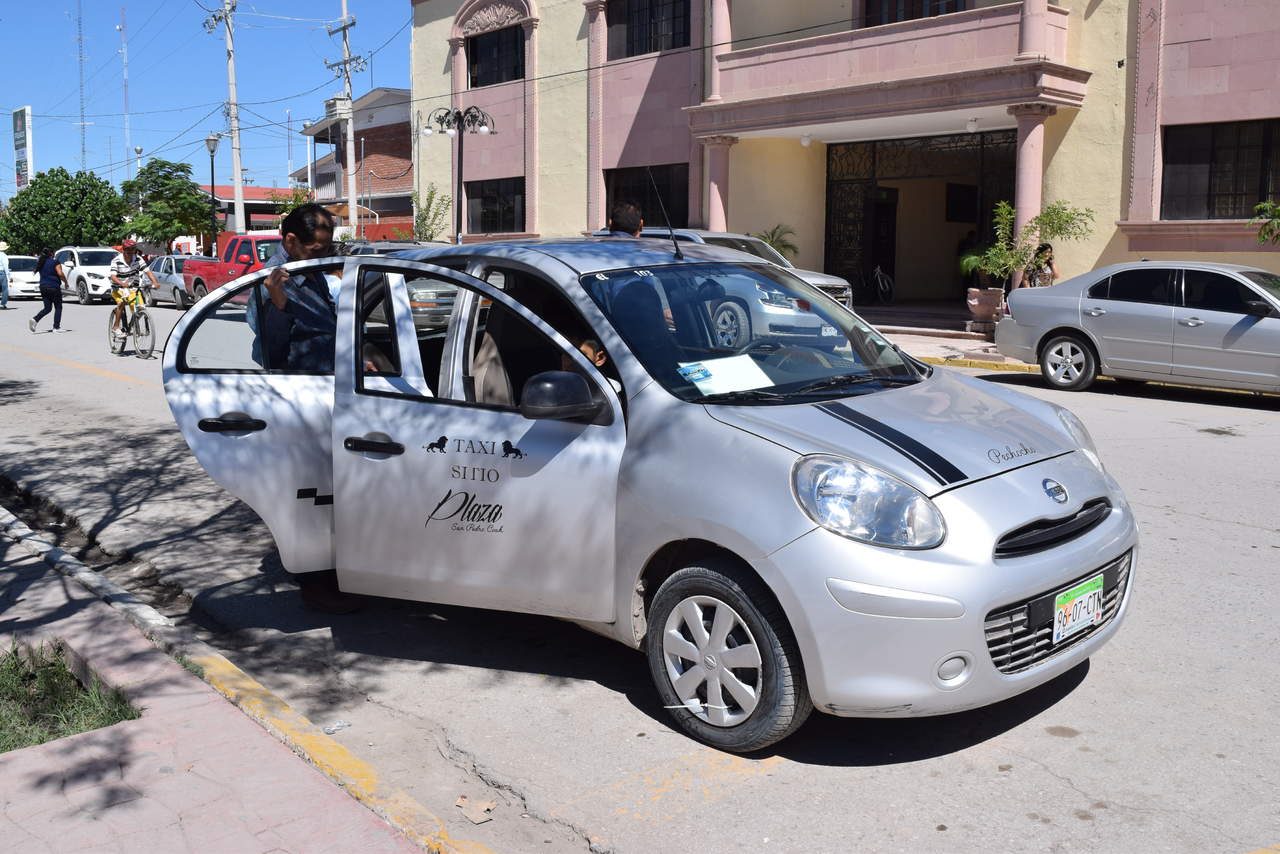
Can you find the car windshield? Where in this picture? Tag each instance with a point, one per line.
(1269, 282)
(744, 333)
(751, 245)
(21, 265)
(101, 258)
(267, 248)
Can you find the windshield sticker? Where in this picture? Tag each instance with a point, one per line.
(716, 376)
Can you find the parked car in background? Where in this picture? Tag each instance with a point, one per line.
(382, 247)
(240, 255)
(431, 301)
(1193, 323)
(833, 286)
(88, 271)
(24, 280)
(171, 287)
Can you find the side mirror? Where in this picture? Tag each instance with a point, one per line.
(560, 396)
(69, 263)
(1258, 308)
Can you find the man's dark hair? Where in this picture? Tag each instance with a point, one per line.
(303, 221)
(626, 217)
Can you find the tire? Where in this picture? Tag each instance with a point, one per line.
(144, 335)
(82, 293)
(150, 297)
(179, 299)
(114, 344)
(1067, 362)
(732, 326)
(201, 291)
(771, 681)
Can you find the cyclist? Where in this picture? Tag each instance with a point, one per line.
(126, 275)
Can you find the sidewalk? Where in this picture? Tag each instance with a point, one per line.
(945, 347)
(194, 773)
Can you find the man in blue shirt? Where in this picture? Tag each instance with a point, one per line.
(295, 314)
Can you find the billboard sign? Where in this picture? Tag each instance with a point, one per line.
(22, 160)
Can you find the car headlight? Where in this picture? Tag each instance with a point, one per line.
(95, 275)
(862, 503)
(1076, 429)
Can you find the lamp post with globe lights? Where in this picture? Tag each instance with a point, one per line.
(457, 123)
(211, 143)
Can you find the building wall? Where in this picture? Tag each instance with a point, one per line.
(771, 21)
(562, 127)
(774, 181)
(385, 166)
(430, 83)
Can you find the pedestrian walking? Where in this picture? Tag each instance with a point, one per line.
(51, 281)
(4, 276)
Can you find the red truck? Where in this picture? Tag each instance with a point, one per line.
(238, 254)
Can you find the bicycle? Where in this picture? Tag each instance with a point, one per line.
(878, 289)
(135, 323)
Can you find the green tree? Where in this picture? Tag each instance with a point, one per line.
(286, 202)
(58, 208)
(1008, 255)
(779, 237)
(1266, 218)
(432, 215)
(170, 203)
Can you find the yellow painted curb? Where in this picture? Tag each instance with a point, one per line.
(339, 764)
(978, 363)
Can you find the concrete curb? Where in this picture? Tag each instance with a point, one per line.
(978, 363)
(890, 329)
(272, 713)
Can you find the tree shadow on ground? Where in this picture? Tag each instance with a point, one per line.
(1121, 389)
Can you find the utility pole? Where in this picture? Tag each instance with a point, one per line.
(84, 160)
(124, 53)
(345, 64)
(288, 123)
(224, 16)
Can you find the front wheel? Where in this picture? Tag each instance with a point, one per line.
(732, 326)
(724, 660)
(1068, 363)
(114, 342)
(82, 293)
(144, 336)
(884, 287)
(179, 299)
(150, 297)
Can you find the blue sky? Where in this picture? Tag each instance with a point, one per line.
(178, 79)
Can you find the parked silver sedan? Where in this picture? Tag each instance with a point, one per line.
(170, 288)
(1187, 322)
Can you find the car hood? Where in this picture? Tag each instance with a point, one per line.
(936, 434)
(813, 277)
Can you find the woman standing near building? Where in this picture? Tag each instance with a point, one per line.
(1042, 271)
(51, 281)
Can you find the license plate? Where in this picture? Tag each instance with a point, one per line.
(829, 332)
(1077, 609)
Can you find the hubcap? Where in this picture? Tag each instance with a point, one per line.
(1066, 362)
(712, 661)
(727, 329)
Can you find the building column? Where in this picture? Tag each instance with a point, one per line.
(531, 164)
(458, 85)
(1029, 179)
(597, 45)
(718, 181)
(1033, 26)
(721, 35)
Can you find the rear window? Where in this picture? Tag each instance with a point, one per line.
(1143, 285)
(22, 265)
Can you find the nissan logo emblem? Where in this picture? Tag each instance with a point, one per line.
(1055, 490)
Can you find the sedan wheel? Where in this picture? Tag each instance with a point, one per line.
(732, 326)
(724, 660)
(82, 293)
(1068, 363)
(179, 299)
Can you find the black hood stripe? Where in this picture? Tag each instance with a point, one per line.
(938, 467)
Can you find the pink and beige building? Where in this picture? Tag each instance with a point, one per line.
(881, 131)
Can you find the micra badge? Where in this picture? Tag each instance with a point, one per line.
(1055, 490)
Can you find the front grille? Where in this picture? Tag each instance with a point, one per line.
(1047, 533)
(1021, 636)
(839, 293)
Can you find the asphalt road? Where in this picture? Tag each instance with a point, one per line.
(1163, 742)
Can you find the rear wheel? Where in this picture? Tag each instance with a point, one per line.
(82, 293)
(201, 291)
(884, 287)
(724, 660)
(144, 336)
(1068, 363)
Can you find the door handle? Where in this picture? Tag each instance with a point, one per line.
(231, 425)
(355, 443)
(1095, 312)
(1192, 321)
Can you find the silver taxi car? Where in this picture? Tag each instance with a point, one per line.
(780, 526)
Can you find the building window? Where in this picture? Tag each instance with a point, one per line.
(645, 26)
(633, 185)
(495, 207)
(892, 11)
(1219, 171)
(496, 57)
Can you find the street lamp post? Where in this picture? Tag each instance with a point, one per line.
(137, 150)
(211, 143)
(458, 123)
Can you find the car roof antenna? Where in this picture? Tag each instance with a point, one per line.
(670, 231)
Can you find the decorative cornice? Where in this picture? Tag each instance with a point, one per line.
(595, 6)
(1037, 110)
(496, 16)
(720, 140)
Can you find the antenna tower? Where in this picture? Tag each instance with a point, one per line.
(84, 160)
(124, 53)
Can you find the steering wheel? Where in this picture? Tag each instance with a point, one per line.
(759, 344)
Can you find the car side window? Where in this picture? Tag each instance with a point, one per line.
(62, 256)
(376, 328)
(1148, 285)
(240, 335)
(1099, 289)
(231, 247)
(1215, 292)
